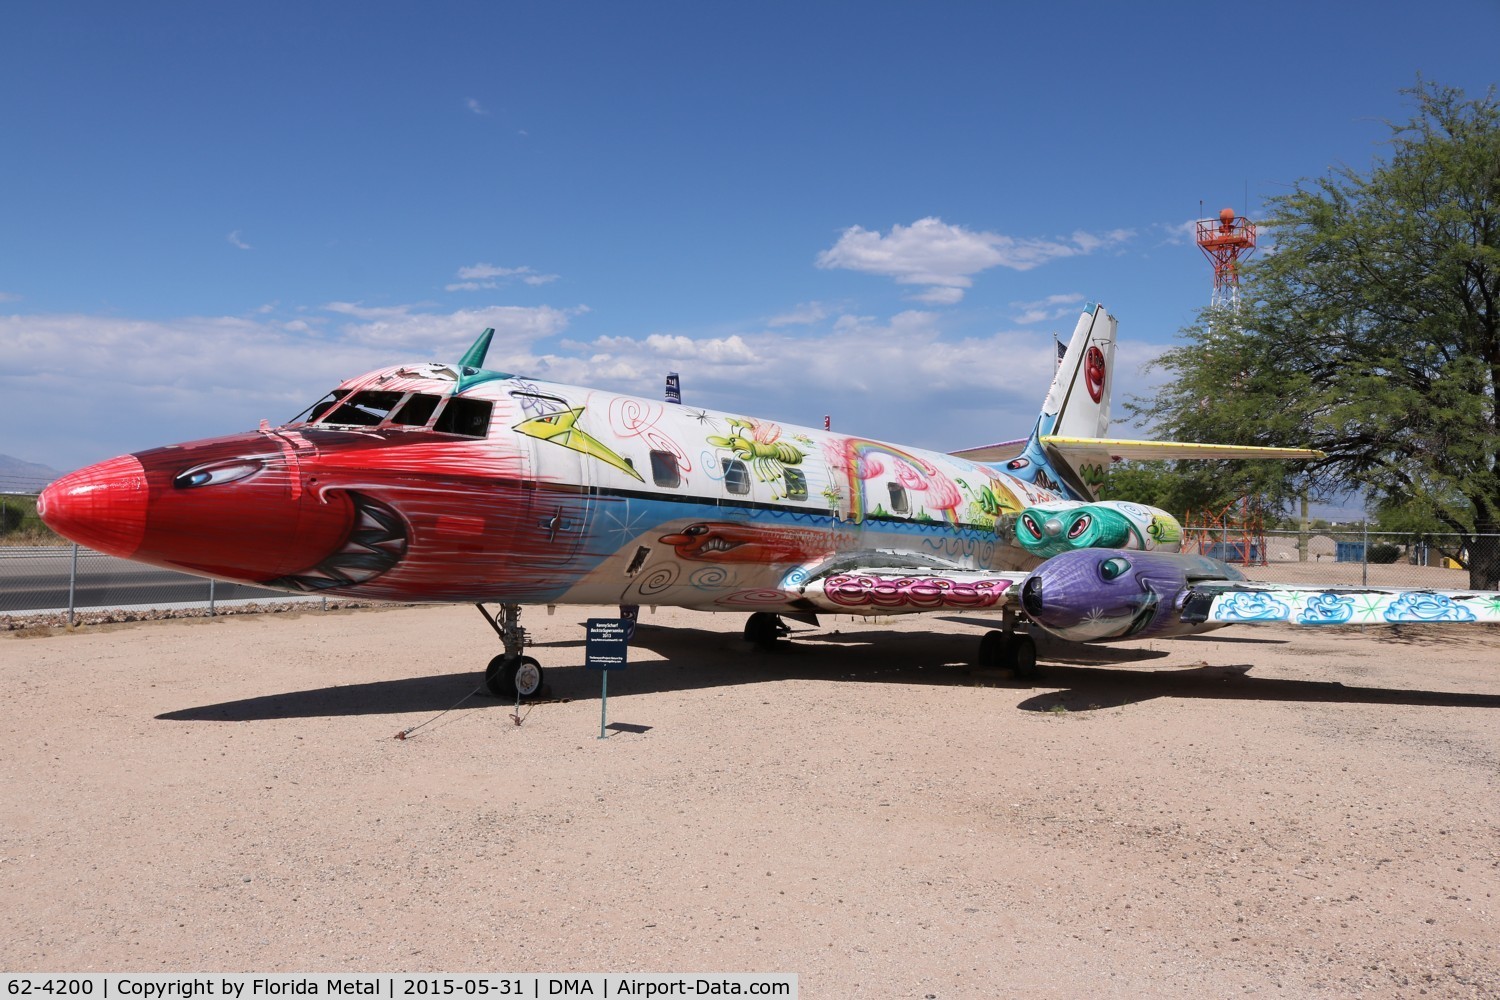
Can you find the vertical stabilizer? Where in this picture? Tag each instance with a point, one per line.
(1077, 405)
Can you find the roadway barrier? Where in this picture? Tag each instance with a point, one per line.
(71, 578)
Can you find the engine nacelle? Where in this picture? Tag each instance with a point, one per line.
(1064, 525)
(1096, 595)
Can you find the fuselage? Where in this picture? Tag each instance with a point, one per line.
(443, 483)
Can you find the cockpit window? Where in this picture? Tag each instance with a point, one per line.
(374, 407)
(365, 409)
(469, 417)
(325, 404)
(417, 410)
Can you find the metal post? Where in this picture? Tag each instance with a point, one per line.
(210, 597)
(1364, 576)
(72, 584)
(603, 700)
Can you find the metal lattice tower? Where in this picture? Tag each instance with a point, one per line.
(1225, 242)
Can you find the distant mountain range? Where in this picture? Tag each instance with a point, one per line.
(17, 476)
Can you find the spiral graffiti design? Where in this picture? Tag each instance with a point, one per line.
(753, 599)
(637, 418)
(711, 578)
(657, 580)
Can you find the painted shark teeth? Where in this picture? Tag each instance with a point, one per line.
(376, 543)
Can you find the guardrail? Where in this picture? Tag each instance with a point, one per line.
(71, 578)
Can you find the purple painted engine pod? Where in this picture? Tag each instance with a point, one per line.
(1096, 595)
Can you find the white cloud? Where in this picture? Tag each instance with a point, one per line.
(1178, 233)
(678, 349)
(478, 277)
(1052, 307)
(944, 257)
(803, 314)
(131, 384)
(360, 311)
(433, 333)
(939, 295)
(473, 105)
(236, 242)
(1089, 242)
(9, 297)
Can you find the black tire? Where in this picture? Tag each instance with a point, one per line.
(764, 629)
(993, 649)
(510, 677)
(1023, 657)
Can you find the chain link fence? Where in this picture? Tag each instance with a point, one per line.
(1347, 556)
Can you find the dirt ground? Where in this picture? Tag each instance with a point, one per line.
(1271, 811)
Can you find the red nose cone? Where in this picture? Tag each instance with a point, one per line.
(102, 506)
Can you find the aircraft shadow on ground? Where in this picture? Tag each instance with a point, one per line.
(1075, 678)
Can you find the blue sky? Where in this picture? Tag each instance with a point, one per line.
(882, 211)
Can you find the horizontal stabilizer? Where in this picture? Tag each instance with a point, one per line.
(1125, 448)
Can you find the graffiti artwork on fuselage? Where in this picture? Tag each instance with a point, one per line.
(562, 428)
(740, 542)
(917, 487)
(759, 443)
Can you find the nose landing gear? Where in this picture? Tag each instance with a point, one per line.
(511, 675)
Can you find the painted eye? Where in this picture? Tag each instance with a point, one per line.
(1080, 526)
(1113, 569)
(1031, 526)
(1018, 463)
(215, 473)
(696, 530)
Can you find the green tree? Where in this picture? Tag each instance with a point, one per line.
(1372, 333)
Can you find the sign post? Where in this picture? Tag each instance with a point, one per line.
(605, 646)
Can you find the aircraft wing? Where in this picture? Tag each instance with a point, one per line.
(903, 590)
(1240, 602)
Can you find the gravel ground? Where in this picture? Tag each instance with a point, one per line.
(1270, 811)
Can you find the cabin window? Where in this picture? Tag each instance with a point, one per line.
(796, 485)
(664, 469)
(899, 504)
(736, 476)
(417, 410)
(365, 409)
(469, 417)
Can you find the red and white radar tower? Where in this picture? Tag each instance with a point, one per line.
(1226, 241)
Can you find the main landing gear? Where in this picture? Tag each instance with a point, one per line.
(765, 629)
(1010, 650)
(511, 675)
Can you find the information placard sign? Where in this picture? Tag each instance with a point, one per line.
(606, 643)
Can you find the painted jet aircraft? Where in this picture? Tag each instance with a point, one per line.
(452, 482)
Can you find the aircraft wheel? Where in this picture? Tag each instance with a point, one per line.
(764, 628)
(1023, 657)
(510, 677)
(992, 650)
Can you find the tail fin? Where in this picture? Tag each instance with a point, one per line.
(1067, 451)
(1077, 407)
